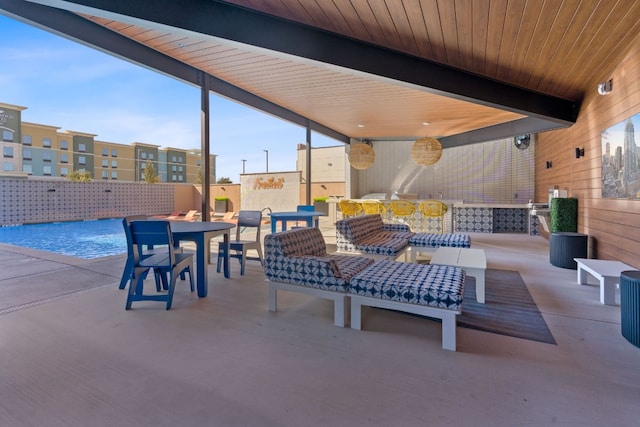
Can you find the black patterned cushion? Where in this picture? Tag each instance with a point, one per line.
(435, 240)
(433, 285)
(369, 235)
(299, 257)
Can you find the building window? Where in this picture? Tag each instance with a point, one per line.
(46, 170)
(46, 156)
(26, 139)
(180, 159)
(7, 166)
(82, 160)
(143, 166)
(64, 171)
(105, 163)
(64, 158)
(105, 175)
(179, 168)
(82, 148)
(143, 155)
(7, 151)
(114, 153)
(114, 175)
(174, 178)
(114, 163)
(174, 159)
(198, 162)
(180, 178)
(26, 153)
(27, 169)
(64, 144)
(173, 168)
(46, 142)
(7, 135)
(150, 156)
(105, 151)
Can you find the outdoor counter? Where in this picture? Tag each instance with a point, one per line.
(491, 218)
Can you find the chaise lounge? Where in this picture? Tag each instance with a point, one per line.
(296, 260)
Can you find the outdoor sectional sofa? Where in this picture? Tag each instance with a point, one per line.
(368, 235)
(296, 260)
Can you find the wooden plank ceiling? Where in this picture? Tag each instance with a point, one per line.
(562, 48)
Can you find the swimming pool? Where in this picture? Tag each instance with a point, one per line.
(81, 239)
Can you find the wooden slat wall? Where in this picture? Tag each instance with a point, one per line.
(612, 224)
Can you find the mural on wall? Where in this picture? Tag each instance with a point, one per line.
(621, 160)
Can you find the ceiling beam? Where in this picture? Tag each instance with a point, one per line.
(226, 21)
(72, 26)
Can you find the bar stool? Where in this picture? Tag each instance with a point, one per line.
(349, 208)
(432, 209)
(372, 206)
(402, 211)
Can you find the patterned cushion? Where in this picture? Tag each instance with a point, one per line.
(368, 234)
(435, 240)
(433, 285)
(299, 257)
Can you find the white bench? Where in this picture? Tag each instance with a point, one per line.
(472, 261)
(606, 271)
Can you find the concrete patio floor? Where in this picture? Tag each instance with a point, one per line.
(70, 355)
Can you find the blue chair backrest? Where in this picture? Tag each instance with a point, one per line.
(153, 233)
(306, 208)
(249, 218)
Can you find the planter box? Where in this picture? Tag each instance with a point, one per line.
(321, 207)
(221, 205)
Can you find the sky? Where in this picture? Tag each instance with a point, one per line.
(65, 84)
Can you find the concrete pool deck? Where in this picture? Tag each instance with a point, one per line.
(71, 355)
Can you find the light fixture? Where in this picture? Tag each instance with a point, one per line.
(605, 87)
(579, 152)
(426, 151)
(361, 155)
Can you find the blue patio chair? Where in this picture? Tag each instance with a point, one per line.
(303, 208)
(246, 219)
(127, 274)
(164, 260)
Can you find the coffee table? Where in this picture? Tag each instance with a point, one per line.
(472, 261)
(606, 271)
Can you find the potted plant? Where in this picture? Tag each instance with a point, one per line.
(221, 203)
(320, 204)
(564, 214)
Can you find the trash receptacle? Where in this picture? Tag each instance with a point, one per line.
(565, 246)
(630, 306)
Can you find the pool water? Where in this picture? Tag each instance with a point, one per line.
(80, 239)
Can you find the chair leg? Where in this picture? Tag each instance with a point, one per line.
(221, 255)
(243, 260)
(188, 269)
(172, 287)
(260, 256)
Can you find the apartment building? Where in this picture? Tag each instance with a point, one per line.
(33, 149)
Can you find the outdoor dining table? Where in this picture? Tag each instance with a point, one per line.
(311, 217)
(201, 234)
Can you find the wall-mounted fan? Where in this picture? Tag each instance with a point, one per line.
(522, 141)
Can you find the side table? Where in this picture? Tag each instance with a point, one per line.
(564, 247)
(630, 306)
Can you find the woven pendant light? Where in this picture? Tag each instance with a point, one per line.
(426, 151)
(361, 156)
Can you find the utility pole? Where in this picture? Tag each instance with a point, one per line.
(267, 153)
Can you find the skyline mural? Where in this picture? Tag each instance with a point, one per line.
(621, 160)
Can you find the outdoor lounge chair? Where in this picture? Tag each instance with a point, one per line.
(190, 216)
